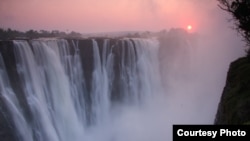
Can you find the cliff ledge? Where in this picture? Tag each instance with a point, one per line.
(234, 106)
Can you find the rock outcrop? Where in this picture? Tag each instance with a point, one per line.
(234, 106)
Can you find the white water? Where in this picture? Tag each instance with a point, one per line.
(138, 88)
(53, 82)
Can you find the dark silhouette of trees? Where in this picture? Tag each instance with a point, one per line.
(8, 34)
(240, 10)
(32, 34)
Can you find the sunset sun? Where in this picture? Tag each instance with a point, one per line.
(189, 27)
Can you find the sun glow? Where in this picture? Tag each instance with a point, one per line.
(189, 27)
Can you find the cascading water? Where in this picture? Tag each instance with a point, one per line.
(66, 91)
(102, 89)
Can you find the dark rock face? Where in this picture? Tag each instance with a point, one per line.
(6, 129)
(234, 106)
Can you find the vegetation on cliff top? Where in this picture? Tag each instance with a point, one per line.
(234, 106)
(240, 12)
(7, 34)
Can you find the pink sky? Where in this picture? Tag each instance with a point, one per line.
(109, 15)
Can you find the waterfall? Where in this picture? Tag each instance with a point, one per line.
(65, 88)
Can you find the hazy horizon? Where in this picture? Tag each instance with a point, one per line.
(93, 16)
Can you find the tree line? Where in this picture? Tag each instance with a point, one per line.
(240, 12)
(7, 34)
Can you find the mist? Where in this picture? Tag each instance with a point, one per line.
(192, 79)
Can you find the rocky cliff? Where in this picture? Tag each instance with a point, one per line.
(234, 106)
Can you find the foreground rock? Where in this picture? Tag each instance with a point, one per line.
(234, 106)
